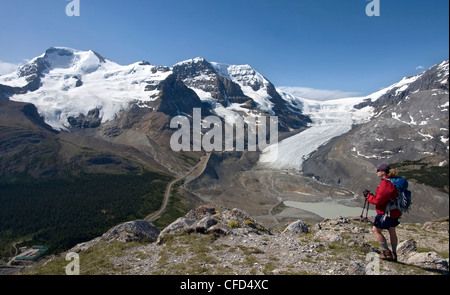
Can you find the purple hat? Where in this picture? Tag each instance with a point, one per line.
(383, 167)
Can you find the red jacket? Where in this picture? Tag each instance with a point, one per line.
(385, 192)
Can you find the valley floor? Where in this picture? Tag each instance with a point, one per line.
(263, 193)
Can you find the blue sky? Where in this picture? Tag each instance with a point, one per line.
(320, 44)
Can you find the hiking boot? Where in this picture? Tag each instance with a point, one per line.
(394, 256)
(386, 255)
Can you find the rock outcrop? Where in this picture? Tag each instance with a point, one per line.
(205, 219)
(206, 241)
(139, 230)
(297, 227)
(133, 231)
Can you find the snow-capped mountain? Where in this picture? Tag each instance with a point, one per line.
(409, 120)
(408, 124)
(72, 111)
(434, 78)
(122, 112)
(237, 89)
(75, 90)
(65, 84)
(69, 83)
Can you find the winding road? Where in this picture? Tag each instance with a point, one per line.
(194, 172)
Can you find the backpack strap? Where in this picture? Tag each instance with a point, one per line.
(392, 204)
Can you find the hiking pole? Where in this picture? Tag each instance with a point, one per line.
(367, 211)
(367, 215)
(365, 193)
(364, 208)
(366, 219)
(361, 219)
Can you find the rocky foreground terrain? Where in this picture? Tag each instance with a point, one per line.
(209, 242)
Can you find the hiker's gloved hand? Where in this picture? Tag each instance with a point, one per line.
(366, 193)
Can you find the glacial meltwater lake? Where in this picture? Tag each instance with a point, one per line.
(330, 210)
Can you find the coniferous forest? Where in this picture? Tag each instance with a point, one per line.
(59, 212)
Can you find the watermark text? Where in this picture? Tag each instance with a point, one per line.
(73, 268)
(373, 265)
(209, 134)
(373, 8)
(73, 8)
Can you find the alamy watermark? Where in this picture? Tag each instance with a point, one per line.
(373, 8)
(373, 265)
(73, 8)
(73, 268)
(217, 137)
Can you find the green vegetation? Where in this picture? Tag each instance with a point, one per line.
(177, 207)
(61, 211)
(424, 173)
(199, 246)
(95, 261)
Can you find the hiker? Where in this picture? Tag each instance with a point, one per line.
(385, 192)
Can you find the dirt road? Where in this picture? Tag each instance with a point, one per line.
(195, 172)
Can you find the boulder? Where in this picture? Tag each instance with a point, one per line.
(429, 261)
(200, 212)
(138, 230)
(179, 225)
(204, 224)
(207, 220)
(406, 248)
(297, 227)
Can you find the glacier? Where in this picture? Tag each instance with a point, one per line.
(329, 120)
(332, 118)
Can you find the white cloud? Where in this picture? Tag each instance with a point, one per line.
(318, 94)
(420, 68)
(7, 68)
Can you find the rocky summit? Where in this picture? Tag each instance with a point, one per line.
(230, 242)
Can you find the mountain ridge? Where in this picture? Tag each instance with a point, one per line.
(70, 70)
(69, 96)
(409, 122)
